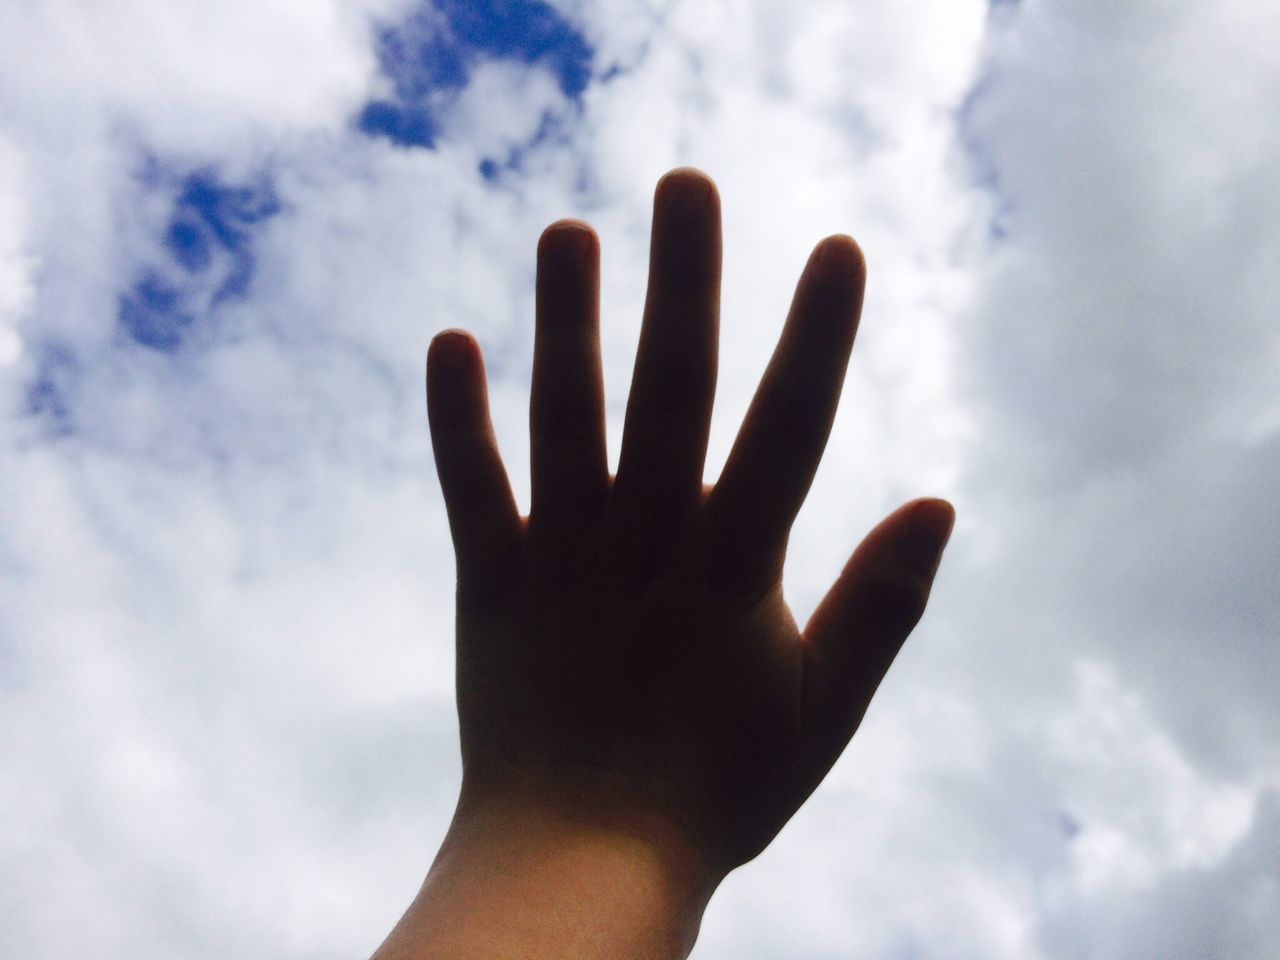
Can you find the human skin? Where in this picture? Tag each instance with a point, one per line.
(639, 712)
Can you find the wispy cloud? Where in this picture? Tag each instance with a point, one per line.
(225, 640)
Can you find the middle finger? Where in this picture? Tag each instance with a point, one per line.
(664, 441)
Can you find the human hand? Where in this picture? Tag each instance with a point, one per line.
(625, 657)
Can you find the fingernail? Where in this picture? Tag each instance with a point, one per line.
(839, 254)
(687, 190)
(931, 524)
(571, 242)
(575, 242)
(450, 347)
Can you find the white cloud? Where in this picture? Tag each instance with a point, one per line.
(16, 265)
(225, 644)
(1122, 348)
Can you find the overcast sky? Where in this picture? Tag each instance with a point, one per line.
(227, 233)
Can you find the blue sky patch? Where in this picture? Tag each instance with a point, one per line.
(210, 259)
(46, 395)
(983, 169)
(429, 56)
(153, 313)
(549, 128)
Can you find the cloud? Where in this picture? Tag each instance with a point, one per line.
(210, 221)
(1121, 348)
(431, 55)
(16, 265)
(226, 237)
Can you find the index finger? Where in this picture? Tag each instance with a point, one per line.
(776, 454)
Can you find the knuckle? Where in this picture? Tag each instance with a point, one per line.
(898, 588)
(804, 416)
(744, 579)
(564, 413)
(674, 388)
(681, 393)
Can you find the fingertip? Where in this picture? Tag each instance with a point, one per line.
(687, 188)
(840, 255)
(569, 238)
(450, 349)
(931, 523)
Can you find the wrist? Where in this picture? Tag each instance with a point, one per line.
(515, 879)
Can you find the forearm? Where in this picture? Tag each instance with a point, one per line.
(518, 883)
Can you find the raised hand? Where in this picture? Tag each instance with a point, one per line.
(626, 663)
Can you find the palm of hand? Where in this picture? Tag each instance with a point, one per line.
(625, 655)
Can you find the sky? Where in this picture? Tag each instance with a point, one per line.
(228, 232)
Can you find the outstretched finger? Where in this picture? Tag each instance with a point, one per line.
(782, 438)
(483, 518)
(856, 631)
(664, 440)
(569, 461)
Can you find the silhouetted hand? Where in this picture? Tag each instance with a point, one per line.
(626, 661)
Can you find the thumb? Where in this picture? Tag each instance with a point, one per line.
(858, 628)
